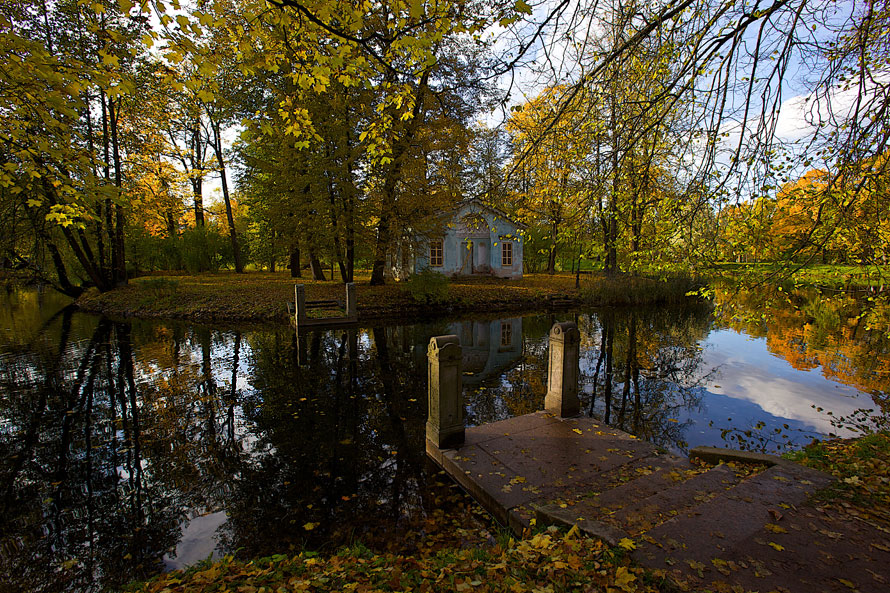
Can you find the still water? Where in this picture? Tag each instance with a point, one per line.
(128, 447)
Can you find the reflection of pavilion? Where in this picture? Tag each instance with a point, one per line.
(489, 347)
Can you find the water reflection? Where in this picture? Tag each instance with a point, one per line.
(127, 447)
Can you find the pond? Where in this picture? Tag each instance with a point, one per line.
(129, 447)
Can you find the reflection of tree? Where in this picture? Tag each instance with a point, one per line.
(339, 439)
(646, 370)
(310, 440)
(843, 335)
(78, 510)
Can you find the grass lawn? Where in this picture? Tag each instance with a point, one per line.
(835, 276)
(262, 296)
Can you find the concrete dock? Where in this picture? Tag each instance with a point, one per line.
(717, 518)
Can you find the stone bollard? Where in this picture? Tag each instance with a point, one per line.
(562, 377)
(299, 304)
(445, 420)
(351, 304)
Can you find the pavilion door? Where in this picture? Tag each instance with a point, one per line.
(466, 266)
(481, 258)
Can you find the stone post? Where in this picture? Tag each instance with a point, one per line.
(351, 305)
(299, 304)
(445, 420)
(562, 377)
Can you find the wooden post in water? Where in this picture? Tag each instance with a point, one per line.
(445, 420)
(299, 304)
(562, 376)
(351, 305)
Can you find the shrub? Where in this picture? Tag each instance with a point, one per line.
(205, 249)
(428, 287)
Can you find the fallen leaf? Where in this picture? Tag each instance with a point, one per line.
(627, 544)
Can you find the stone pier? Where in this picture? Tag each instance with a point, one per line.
(445, 420)
(705, 522)
(562, 375)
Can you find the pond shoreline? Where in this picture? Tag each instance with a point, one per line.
(262, 297)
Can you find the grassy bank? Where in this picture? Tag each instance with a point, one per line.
(862, 467)
(834, 277)
(261, 296)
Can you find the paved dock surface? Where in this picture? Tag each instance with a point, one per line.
(713, 525)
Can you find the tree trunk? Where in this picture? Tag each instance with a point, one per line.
(197, 179)
(612, 226)
(295, 271)
(387, 206)
(87, 263)
(348, 197)
(230, 218)
(335, 227)
(118, 259)
(551, 258)
(106, 174)
(317, 269)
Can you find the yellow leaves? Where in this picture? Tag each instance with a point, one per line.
(542, 541)
(310, 526)
(776, 546)
(578, 430)
(775, 528)
(98, 8)
(627, 544)
(109, 59)
(624, 578)
(521, 6)
(205, 18)
(416, 10)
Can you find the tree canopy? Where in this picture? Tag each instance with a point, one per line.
(649, 134)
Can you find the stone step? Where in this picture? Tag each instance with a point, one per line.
(586, 503)
(631, 483)
(643, 515)
(699, 534)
